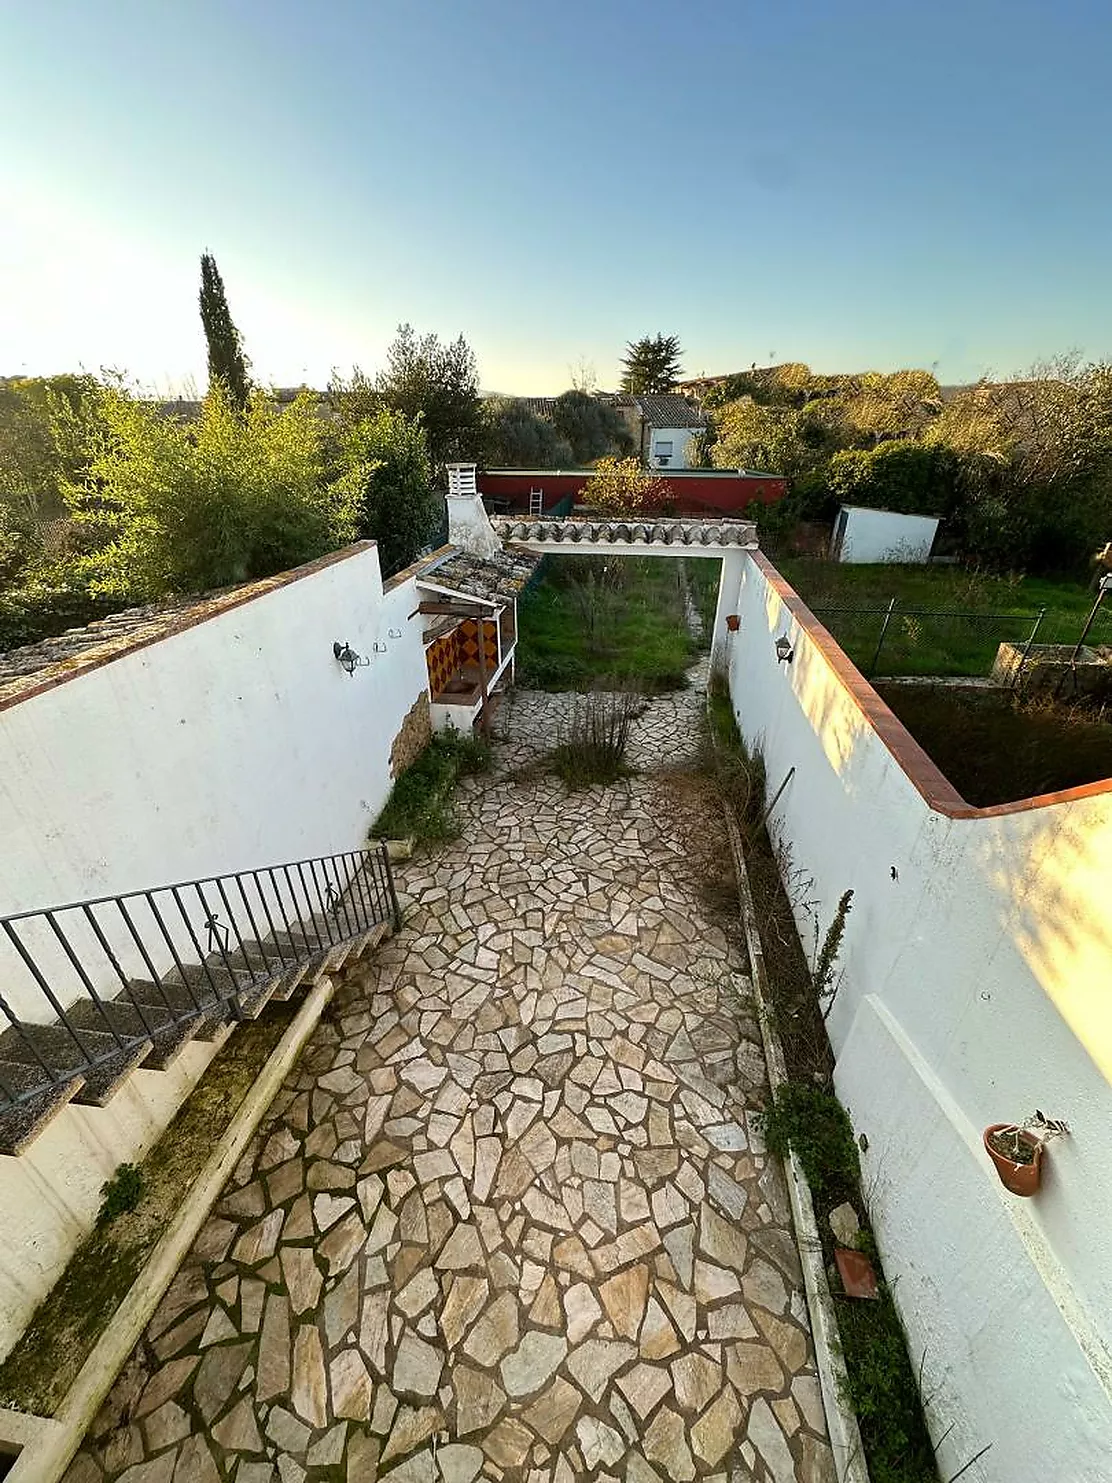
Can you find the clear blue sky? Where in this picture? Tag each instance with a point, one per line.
(854, 183)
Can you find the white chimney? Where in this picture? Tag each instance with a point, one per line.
(468, 525)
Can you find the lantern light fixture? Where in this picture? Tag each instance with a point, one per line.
(347, 658)
(784, 651)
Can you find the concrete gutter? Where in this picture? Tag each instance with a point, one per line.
(48, 1444)
(841, 1421)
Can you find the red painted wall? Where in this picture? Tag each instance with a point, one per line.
(694, 492)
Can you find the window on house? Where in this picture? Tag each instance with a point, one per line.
(664, 447)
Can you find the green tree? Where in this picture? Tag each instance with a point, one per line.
(438, 383)
(515, 438)
(751, 436)
(174, 507)
(651, 364)
(389, 475)
(45, 425)
(227, 365)
(590, 426)
(911, 478)
(621, 486)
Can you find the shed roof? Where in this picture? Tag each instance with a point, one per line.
(496, 579)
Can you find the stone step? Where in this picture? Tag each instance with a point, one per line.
(22, 1122)
(168, 1036)
(65, 1052)
(208, 1014)
(292, 981)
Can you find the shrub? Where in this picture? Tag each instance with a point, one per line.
(419, 805)
(120, 1194)
(594, 743)
(908, 477)
(815, 1125)
(190, 507)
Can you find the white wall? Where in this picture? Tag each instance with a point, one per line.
(237, 743)
(679, 437)
(978, 968)
(884, 535)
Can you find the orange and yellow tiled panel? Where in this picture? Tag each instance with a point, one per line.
(468, 632)
(443, 660)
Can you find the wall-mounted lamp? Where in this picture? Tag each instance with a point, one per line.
(784, 651)
(348, 659)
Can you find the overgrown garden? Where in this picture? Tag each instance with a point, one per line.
(1020, 469)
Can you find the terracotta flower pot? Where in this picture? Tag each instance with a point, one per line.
(733, 622)
(1021, 1179)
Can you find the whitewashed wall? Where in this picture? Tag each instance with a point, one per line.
(885, 535)
(236, 743)
(977, 987)
(680, 439)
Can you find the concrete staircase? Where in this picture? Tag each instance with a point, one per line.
(92, 1047)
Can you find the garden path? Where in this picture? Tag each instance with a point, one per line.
(510, 1216)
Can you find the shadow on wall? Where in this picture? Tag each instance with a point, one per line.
(1047, 866)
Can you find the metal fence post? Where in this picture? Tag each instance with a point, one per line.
(1018, 675)
(883, 633)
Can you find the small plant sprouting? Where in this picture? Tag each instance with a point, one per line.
(826, 985)
(593, 748)
(120, 1194)
(1010, 1141)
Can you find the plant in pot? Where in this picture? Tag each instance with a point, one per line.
(1016, 1149)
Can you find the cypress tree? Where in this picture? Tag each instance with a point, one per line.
(226, 361)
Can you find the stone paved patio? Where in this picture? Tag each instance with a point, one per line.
(510, 1217)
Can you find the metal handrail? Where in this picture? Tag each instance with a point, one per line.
(171, 955)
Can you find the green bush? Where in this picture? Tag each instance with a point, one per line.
(121, 1193)
(419, 805)
(816, 1127)
(910, 478)
(38, 611)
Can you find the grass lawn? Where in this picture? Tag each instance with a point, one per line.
(590, 620)
(980, 612)
(703, 577)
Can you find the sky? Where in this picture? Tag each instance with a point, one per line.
(851, 183)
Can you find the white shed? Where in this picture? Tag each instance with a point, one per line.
(861, 535)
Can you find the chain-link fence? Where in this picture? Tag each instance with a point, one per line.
(891, 639)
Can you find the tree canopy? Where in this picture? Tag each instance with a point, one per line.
(227, 365)
(622, 486)
(651, 365)
(516, 438)
(438, 382)
(1022, 468)
(173, 507)
(391, 484)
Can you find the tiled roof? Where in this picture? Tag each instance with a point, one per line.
(670, 411)
(539, 406)
(628, 532)
(36, 666)
(119, 630)
(495, 579)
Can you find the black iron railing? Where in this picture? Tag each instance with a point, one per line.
(86, 986)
